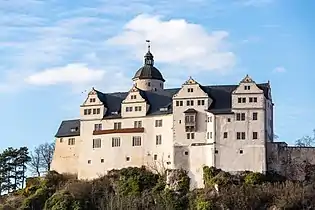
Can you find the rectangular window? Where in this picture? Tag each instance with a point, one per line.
(133, 96)
(96, 143)
(190, 119)
(239, 100)
(129, 109)
(158, 139)
(240, 135)
(92, 100)
(238, 116)
(250, 99)
(137, 124)
(138, 108)
(191, 103)
(188, 103)
(155, 157)
(190, 135)
(255, 115)
(243, 100)
(94, 111)
(117, 125)
(97, 127)
(71, 141)
(98, 111)
(115, 142)
(85, 111)
(243, 117)
(181, 103)
(136, 141)
(255, 99)
(225, 135)
(190, 90)
(210, 135)
(255, 135)
(158, 123)
(177, 103)
(201, 102)
(243, 135)
(89, 111)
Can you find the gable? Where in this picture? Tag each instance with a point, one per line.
(190, 89)
(247, 86)
(134, 96)
(92, 99)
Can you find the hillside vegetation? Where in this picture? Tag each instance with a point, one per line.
(138, 188)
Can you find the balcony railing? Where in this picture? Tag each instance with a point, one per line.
(122, 130)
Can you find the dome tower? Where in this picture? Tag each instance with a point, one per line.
(148, 77)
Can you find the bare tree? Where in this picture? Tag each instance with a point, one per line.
(35, 163)
(157, 166)
(41, 158)
(47, 152)
(306, 141)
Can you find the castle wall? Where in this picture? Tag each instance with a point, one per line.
(290, 161)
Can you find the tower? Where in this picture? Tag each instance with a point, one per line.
(148, 77)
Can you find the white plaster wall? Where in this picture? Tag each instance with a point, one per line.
(199, 156)
(65, 158)
(180, 136)
(143, 84)
(115, 157)
(254, 151)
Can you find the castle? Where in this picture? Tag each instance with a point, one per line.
(226, 126)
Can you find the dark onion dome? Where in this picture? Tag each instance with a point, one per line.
(148, 71)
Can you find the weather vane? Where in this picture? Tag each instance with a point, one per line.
(149, 46)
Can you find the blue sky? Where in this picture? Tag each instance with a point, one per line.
(52, 51)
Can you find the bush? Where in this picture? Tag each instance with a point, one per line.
(253, 178)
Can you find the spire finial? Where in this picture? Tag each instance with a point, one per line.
(149, 45)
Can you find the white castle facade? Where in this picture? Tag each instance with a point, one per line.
(226, 126)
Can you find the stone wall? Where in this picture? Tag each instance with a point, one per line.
(289, 161)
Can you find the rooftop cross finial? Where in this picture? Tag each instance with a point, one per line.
(149, 46)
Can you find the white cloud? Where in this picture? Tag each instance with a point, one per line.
(70, 74)
(176, 42)
(279, 69)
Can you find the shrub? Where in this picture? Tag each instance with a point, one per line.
(36, 200)
(253, 178)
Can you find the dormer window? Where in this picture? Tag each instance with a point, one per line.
(190, 90)
(74, 129)
(92, 100)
